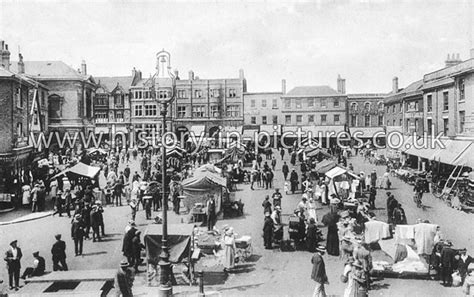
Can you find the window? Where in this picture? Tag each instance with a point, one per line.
(367, 121)
(299, 119)
(462, 119)
(310, 102)
(380, 122)
(252, 103)
(181, 111)
(138, 110)
(101, 99)
(232, 93)
(354, 106)
(336, 118)
(264, 103)
(429, 123)
(407, 126)
(253, 120)
(416, 125)
(150, 110)
(445, 127)
(233, 111)
(199, 111)
(393, 109)
(138, 95)
(264, 120)
(19, 131)
(298, 103)
(323, 119)
(354, 121)
(19, 98)
(181, 94)
(275, 103)
(146, 95)
(101, 117)
(336, 102)
(367, 105)
(275, 120)
(119, 116)
(310, 118)
(215, 111)
(324, 103)
(118, 99)
(462, 93)
(287, 103)
(400, 107)
(197, 93)
(149, 129)
(429, 103)
(214, 93)
(445, 101)
(288, 119)
(54, 107)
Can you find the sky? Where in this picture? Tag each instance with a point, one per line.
(367, 42)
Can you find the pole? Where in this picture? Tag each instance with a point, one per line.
(165, 281)
(201, 283)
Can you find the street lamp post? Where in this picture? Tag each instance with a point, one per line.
(164, 85)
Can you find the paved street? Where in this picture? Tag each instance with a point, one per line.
(272, 272)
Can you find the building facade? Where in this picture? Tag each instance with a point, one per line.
(393, 104)
(365, 110)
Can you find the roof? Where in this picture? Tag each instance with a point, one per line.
(307, 91)
(4, 73)
(50, 70)
(111, 82)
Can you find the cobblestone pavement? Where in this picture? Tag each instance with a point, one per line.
(271, 272)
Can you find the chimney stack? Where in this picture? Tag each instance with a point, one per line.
(21, 64)
(395, 85)
(134, 72)
(283, 86)
(176, 74)
(4, 55)
(241, 74)
(452, 60)
(191, 75)
(341, 84)
(83, 68)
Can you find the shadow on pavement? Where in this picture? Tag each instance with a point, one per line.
(95, 253)
(375, 287)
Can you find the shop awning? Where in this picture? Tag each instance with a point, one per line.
(271, 129)
(422, 152)
(452, 150)
(198, 129)
(291, 129)
(466, 158)
(367, 132)
(82, 170)
(337, 171)
(323, 130)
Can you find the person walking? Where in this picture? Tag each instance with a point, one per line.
(77, 234)
(318, 273)
(282, 153)
(285, 170)
(123, 281)
(95, 223)
(293, 181)
(267, 205)
(13, 258)
(211, 213)
(137, 248)
(274, 162)
(59, 254)
(373, 194)
(267, 231)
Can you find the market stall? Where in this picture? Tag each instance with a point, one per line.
(197, 189)
(324, 166)
(180, 247)
(342, 182)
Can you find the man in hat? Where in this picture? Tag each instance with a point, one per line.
(277, 197)
(95, 218)
(124, 280)
(391, 204)
(77, 233)
(285, 170)
(463, 262)
(372, 195)
(211, 212)
(59, 254)
(277, 226)
(293, 180)
(447, 264)
(267, 205)
(39, 265)
(13, 257)
(267, 231)
(312, 236)
(318, 273)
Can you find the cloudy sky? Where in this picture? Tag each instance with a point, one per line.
(367, 42)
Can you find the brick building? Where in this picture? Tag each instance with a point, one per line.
(24, 105)
(366, 114)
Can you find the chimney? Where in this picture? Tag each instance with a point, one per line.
(395, 85)
(241, 74)
(4, 55)
(134, 72)
(452, 60)
(341, 84)
(283, 86)
(191, 75)
(83, 68)
(21, 64)
(176, 74)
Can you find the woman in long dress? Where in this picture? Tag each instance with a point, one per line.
(349, 277)
(311, 207)
(229, 249)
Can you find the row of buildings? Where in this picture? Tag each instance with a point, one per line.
(51, 96)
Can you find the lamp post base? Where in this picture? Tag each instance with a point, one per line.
(165, 291)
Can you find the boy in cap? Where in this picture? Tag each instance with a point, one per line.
(38, 268)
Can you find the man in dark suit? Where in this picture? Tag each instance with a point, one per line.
(463, 263)
(318, 273)
(39, 265)
(447, 264)
(59, 254)
(13, 257)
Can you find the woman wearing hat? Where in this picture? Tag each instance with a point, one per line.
(229, 249)
(359, 277)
